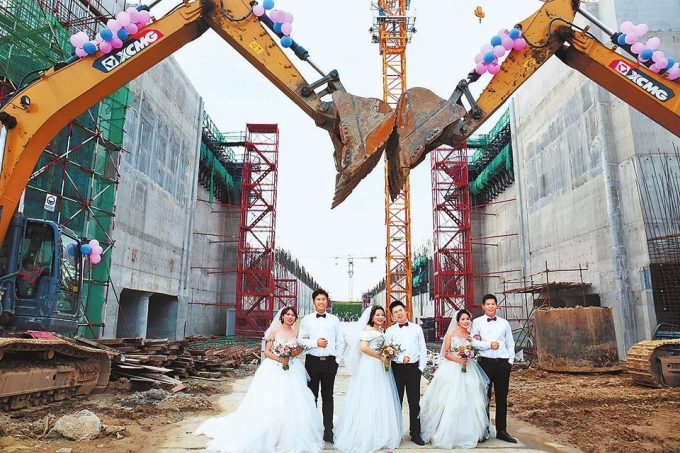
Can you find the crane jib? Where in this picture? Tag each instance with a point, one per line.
(656, 89)
(141, 41)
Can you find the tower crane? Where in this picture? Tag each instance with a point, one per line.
(350, 268)
(392, 30)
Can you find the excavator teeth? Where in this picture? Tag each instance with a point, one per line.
(421, 120)
(363, 130)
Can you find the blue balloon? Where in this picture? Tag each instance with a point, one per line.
(277, 27)
(670, 64)
(268, 4)
(286, 41)
(514, 33)
(106, 34)
(122, 34)
(71, 249)
(621, 40)
(86, 249)
(489, 57)
(496, 41)
(646, 54)
(89, 48)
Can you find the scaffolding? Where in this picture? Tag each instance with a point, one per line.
(255, 288)
(453, 279)
(80, 166)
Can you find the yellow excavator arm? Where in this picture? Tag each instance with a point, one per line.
(359, 127)
(424, 121)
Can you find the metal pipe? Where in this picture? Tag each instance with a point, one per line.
(596, 22)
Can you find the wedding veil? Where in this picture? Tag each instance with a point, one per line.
(352, 354)
(453, 325)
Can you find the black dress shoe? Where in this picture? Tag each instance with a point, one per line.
(418, 440)
(482, 440)
(504, 436)
(328, 437)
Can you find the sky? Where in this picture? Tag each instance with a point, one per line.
(336, 35)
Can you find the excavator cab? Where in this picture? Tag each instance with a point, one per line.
(40, 277)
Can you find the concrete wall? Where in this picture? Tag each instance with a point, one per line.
(575, 200)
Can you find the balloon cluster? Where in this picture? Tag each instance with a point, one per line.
(504, 41)
(111, 37)
(631, 33)
(93, 251)
(282, 20)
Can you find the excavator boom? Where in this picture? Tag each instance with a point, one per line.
(38, 112)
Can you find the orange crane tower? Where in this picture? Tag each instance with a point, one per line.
(392, 30)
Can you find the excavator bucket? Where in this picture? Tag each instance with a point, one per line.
(422, 118)
(360, 139)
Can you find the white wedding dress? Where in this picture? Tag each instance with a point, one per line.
(453, 408)
(277, 415)
(370, 418)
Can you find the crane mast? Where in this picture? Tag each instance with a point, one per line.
(392, 30)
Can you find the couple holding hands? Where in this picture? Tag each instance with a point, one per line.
(279, 414)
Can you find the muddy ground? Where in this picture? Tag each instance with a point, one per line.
(597, 412)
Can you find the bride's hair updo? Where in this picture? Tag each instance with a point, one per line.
(286, 310)
(373, 312)
(461, 313)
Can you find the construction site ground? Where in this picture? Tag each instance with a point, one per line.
(549, 412)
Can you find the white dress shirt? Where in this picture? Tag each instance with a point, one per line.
(489, 331)
(312, 328)
(412, 342)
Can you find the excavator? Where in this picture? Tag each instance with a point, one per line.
(425, 121)
(41, 262)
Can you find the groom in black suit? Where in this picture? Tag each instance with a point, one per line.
(408, 365)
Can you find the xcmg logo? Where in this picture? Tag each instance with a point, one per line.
(659, 91)
(141, 41)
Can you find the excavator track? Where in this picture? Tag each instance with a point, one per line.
(642, 361)
(34, 372)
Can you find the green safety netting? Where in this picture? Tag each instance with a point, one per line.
(502, 162)
(209, 159)
(221, 342)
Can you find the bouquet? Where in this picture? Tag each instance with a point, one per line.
(389, 350)
(287, 350)
(464, 351)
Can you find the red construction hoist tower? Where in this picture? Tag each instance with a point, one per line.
(255, 268)
(453, 283)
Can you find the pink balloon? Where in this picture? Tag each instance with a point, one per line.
(131, 28)
(98, 250)
(144, 18)
(653, 43)
(654, 68)
(134, 14)
(637, 47)
(641, 29)
(494, 68)
(116, 43)
(93, 243)
(286, 28)
(289, 18)
(662, 63)
(80, 52)
(627, 27)
(258, 10)
(105, 47)
(658, 55)
(631, 38)
(674, 72)
(507, 43)
(479, 58)
(98, 39)
(95, 259)
(79, 39)
(499, 51)
(519, 44)
(480, 68)
(277, 15)
(113, 25)
(486, 48)
(123, 18)
(503, 32)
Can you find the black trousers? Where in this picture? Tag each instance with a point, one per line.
(498, 371)
(322, 370)
(407, 377)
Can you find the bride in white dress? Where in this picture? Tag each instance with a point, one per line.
(278, 413)
(370, 418)
(453, 410)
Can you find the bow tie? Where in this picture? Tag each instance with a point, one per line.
(490, 319)
(321, 316)
(403, 325)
